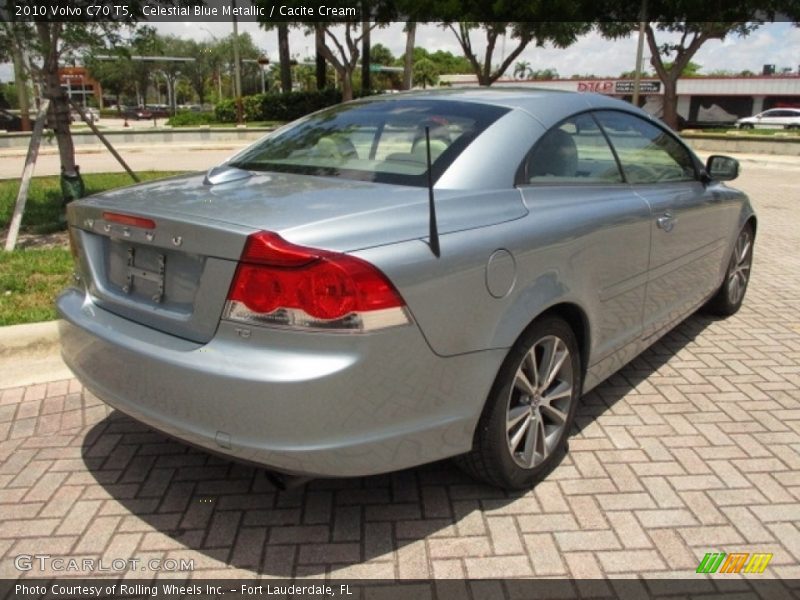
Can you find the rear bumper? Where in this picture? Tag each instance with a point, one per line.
(308, 404)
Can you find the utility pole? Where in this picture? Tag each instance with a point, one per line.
(637, 75)
(237, 73)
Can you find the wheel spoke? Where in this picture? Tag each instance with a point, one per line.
(744, 249)
(734, 288)
(540, 447)
(535, 449)
(524, 428)
(562, 390)
(522, 384)
(555, 414)
(556, 361)
(515, 415)
(529, 362)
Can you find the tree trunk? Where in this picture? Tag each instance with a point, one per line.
(59, 120)
(347, 85)
(366, 75)
(21, 79)
(670, 116)
(285, 57)
(408, 62)
(322, 76)
(49, 34)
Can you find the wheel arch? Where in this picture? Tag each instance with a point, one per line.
(753, 222)
(578, 321)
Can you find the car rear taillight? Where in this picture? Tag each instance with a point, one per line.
(279, 283)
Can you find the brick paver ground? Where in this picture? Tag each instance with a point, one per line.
(693, 448)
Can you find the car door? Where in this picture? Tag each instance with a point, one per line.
(573, 187)
(772, 119)
(688, 223)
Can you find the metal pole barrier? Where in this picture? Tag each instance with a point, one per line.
(105, 141)
(27, 173)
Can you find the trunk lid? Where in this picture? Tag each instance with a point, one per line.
(175, 276)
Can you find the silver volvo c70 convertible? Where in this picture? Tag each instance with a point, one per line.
(401, 279)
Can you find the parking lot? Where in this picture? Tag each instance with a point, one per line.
(692, 448)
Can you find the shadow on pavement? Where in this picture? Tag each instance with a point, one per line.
(228, 515)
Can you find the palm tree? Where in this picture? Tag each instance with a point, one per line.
(522, 70)
(425, 73)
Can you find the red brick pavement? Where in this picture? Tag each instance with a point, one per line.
(692, 448)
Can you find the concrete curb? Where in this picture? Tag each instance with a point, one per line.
(28, 338)
(133, 148)
(30, 354)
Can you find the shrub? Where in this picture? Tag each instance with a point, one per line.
(278, 106)
(185, 118)
(225, 111)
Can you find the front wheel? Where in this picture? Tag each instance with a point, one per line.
(523, 430)
(730, 295)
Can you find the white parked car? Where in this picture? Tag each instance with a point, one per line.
(92, 113)
(774, 118)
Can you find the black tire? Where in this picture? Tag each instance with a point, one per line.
(747, 126)
(499, 456)
(730, 295)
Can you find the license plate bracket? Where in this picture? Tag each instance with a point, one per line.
(132, 272)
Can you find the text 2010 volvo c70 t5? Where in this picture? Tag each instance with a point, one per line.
(402, 279)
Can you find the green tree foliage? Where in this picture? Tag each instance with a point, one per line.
(48, 45)
(381, 55)
(425, 73)
(446, 62)
(115, 75)
(676, 29)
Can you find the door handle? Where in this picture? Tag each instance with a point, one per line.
(666, 222)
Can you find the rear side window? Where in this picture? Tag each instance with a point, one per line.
(575, 151)
(381, 140)
(648, 154)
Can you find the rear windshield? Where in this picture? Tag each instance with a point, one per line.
(381, 140)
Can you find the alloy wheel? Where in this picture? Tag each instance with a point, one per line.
(539, 402)
(739, 270)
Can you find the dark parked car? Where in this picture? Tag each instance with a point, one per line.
(137, 113)
(402, 279)
(158, 111)
(9, 121)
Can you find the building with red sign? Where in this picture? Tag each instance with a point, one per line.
(701, 100)
(80, 86)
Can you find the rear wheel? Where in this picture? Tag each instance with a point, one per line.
(523, 431)
(730, 295)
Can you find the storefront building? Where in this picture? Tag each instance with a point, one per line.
(702, 101)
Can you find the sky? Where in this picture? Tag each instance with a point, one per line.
(777, 44)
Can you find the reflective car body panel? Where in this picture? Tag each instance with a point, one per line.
(631, 239)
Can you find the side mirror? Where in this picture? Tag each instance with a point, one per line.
(722, 168)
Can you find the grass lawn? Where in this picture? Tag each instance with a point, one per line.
(31, 278)
(43, 210)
